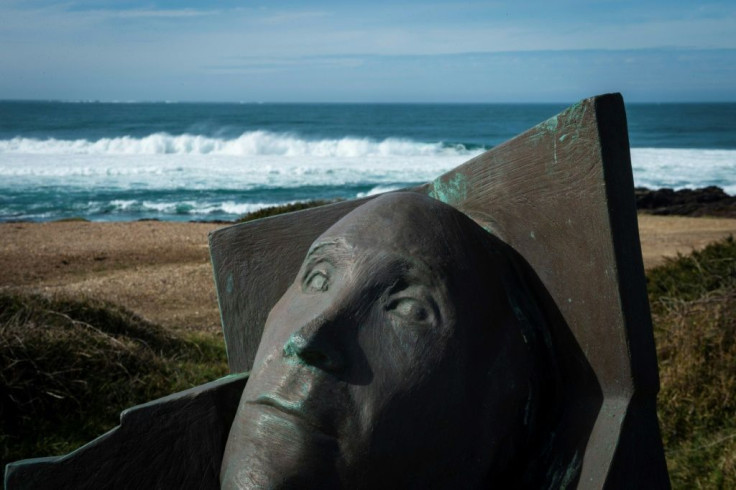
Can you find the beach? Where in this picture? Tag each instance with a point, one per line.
(161, 270)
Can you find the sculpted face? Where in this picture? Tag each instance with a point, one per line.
(394, 360)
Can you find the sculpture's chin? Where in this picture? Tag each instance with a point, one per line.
(271, 449)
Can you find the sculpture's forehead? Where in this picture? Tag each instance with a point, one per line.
(403, 223)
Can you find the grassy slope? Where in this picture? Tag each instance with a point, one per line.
(67, 368)
(693, 301)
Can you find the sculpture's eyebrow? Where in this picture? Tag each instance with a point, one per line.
(326, 251)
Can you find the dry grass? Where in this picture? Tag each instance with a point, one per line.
(68, 368)
(693, 302)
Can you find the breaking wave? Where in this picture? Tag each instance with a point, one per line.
(252, 143)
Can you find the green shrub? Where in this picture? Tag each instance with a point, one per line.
(693, 302)
(691, 277)
(285, 208)
(69, 367)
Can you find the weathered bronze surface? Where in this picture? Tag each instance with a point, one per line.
(561, 195)
(542, 375)
(172, 442)
(410, 351)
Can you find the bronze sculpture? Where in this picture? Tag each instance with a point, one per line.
(407, 353)
(593, 355)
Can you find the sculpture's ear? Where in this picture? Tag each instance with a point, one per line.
(561, 195)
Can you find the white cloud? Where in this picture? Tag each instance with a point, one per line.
(49, 46)
(151, 13)
(281, 18)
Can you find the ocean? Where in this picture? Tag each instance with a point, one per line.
(200, 161)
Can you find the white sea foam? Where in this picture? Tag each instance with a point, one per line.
(169, 184)
(676, 168)
(379, 189)
(253, 143)
(177, 207)
(684, 168)
(216, 171)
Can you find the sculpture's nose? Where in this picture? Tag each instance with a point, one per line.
(315, 346)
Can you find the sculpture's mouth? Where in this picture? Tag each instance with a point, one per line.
(296, 411)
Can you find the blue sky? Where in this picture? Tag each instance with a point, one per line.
(378, 51)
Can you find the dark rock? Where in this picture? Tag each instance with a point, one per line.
(706, 201)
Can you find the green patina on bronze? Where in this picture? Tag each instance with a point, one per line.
(545, 128)
(567, 125)
(450, 190)
(572, 122)
(552, 123)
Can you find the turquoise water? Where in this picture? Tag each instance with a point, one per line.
(130, 161)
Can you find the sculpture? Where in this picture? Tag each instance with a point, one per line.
(561, 196)
(408, 353)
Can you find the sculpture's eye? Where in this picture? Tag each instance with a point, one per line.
(410, 309)
(316, 281)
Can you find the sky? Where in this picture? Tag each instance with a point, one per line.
(377, 51)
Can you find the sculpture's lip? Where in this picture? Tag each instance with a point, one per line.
(295, 411)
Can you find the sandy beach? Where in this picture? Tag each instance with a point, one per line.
(161, 270)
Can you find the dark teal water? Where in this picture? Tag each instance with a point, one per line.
(107, 161)
(701, 126)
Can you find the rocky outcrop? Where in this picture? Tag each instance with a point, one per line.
(706, 201)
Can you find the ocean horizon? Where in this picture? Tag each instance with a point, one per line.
(108, 161)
